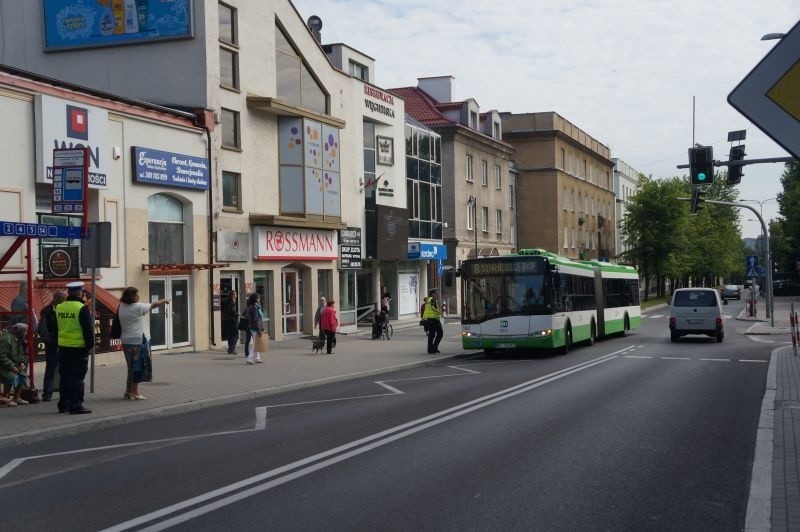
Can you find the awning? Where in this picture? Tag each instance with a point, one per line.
(178, 268)
(43, 294)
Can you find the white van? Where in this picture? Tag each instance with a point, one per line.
(696, 311)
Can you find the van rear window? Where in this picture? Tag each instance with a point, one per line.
(695, 298)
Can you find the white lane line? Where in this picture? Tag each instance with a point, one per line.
(260, 424)
(716, 359)
(636, 356)
(656, 316)
(755, 361)
(675, 358)
(338, 454)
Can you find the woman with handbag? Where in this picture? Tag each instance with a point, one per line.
(134, 319)
(255, 317)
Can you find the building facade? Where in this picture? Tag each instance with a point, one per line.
(565, 184)
(625, 186)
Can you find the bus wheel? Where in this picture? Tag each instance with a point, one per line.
(592, 334)
(626, 328)
(567, 340)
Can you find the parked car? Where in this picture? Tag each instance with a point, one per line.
(786, 287)
(696, 311)
(731, 291)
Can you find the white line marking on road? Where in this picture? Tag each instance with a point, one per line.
(324, 459)
(716, 359)
(636, 356)
(656, 316)
(675, 358)
(756, 361)
(761, 340)
(260, 424)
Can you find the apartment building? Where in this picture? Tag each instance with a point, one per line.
(564, 186)
(625, 185)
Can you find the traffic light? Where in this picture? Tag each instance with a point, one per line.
(701, 165)
(697, 199)
(735, 172)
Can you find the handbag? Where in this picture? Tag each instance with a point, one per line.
(29, 394)
(143, 365)
(244, 323)
(116, 327)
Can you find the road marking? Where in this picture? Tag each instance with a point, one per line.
(656, 316)
(300, 468)
(756, 361)
(675, 358)
(636, 356)
(716, 359)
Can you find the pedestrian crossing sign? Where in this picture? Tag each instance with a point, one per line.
(751, 272)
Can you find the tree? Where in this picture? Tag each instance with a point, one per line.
(789, 208)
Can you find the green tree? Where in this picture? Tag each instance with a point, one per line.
(787, 247)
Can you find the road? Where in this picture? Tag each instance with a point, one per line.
(629, 434)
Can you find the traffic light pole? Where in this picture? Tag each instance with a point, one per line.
(749, 161)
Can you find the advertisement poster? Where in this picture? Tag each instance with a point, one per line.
(92, 23)
(407, 288)
(156, 167)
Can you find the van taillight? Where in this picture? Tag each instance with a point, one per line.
(672, 321)
(719, 320)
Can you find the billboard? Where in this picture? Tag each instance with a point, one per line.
(81, 24)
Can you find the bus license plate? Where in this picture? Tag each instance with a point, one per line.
(506, 346)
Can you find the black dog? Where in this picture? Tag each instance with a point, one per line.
(317, 346)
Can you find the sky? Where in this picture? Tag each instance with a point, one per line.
(624, 72)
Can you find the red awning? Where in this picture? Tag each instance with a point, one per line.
(43, 294)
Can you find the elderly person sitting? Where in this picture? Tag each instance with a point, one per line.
(12, 363)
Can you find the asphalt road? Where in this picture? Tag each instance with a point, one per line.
(629, 434)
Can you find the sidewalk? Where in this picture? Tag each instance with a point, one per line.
(189, 381)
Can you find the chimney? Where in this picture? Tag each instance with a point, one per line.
(314, 24)
(440, 87)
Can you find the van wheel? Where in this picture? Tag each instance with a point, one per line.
(567, 340)
(720, 336)
(673, 337)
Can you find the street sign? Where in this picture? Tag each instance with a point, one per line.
(751, 272)
(768, 95)
(39, 230)
(751, 261)
(439, 268)
(70, 180)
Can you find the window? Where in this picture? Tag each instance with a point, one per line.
(296, 83)
(230, 129)
(566, 238)
(511, 196)
(498, 220)
(228, 50)
(496, 130)
(470, 178)
(165, 230)
(564, 199)
(473, 120)
(498, 180)
(563, 159)
(471, 211)
(572, 200)
(232, 190)
(359, 71)
(484, 173)
(423, 184)
(485, 221)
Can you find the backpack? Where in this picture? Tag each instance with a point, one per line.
(116, 327)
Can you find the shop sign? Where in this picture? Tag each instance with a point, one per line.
(64, 124)
(233, 247)
(383, 103)
(294, 243)
(156, 167)
(350, 248)
(61, 262)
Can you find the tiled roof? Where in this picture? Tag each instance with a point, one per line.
(422, 107)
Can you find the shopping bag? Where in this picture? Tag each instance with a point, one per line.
(261, 343)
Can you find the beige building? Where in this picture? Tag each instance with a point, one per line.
(564, 186)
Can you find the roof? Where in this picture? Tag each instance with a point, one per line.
(422, 107)
(43, 294)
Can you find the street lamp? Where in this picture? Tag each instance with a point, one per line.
(472, 203)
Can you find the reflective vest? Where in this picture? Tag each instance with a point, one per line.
(70, 332)
(431, 309)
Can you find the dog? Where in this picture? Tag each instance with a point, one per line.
(317, 346)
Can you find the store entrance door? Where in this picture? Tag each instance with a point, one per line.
(292, 294)
(170, 324)
(228, 281)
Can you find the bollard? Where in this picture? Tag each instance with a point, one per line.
(793, 328)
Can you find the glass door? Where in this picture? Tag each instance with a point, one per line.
(227, 282)
(291, 298)
(170, 324)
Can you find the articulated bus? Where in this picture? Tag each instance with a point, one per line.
(539, 300)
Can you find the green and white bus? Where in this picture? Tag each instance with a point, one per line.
(538, 300)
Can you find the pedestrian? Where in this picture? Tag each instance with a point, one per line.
(19, 305)
(255, 322)
(432, 317)
(134, 320)
(330, 324)
(12, 364)
(48, 333)
(232, 321)
(318, 317)
(386, 299)
(75, 340)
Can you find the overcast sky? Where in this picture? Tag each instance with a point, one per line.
(625, 72)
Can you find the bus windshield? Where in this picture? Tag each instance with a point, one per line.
(508, 294)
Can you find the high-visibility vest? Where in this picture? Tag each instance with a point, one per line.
(431, 310)
(70, 332)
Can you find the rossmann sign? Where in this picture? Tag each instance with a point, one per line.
(70, 124)
(289, 243)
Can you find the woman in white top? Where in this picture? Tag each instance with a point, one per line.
(135, 324)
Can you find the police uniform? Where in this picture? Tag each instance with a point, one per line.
(432, 317)
(75, 339)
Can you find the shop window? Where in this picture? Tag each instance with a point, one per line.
(165, 230)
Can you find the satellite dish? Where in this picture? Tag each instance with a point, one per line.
(314, 23)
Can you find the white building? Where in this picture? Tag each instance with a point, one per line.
(625, 186)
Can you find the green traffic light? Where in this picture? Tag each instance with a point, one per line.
(701, 176)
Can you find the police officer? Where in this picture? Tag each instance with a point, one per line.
(75, 340)
(432, 317)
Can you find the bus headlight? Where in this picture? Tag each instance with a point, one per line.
(470, 334)
(541, 334)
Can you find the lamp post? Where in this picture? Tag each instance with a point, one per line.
(767, 258)
(472, 204)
